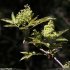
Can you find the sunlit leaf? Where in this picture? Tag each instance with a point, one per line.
(7, 20)
(62, 32)
(61, 39)
(37, 41)
(13, 17)
(10, 26)
(42, 20)
(32, 22)
(27, 55)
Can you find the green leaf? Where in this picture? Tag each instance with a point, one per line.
(7, 20)
(24, 28)
(36, 41)
(61, 39)
(46, 44)
(13, 17)
(42, 20)
(10, 26)
(27, 55)
(62, 32)
(32, 22)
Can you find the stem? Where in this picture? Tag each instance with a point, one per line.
(58, 62)
(47, 52)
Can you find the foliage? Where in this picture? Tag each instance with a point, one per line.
(25, 21)
(48, 36)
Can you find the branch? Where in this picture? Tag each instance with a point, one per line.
(58, 62)
(47, 52)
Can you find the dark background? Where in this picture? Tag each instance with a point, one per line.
(10, 42)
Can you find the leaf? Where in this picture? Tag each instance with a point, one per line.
(46, 44)
(61, 39)
(37, 41)
(9, 26)
(62, 32)
(42, 20)
(24, 28)
(13, 17)
(27, 55)
(32, 22)
(7, 20)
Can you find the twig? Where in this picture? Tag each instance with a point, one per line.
(47, 52)
(58, 62)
